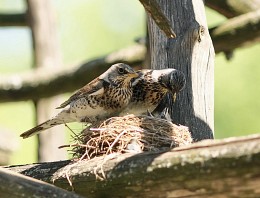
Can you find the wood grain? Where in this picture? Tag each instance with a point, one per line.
(191, 52)
(210, 168)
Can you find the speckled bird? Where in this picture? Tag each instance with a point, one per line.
(105, 96)
(151, 87)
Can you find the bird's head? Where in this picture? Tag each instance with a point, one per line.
(119, 73)
(172, 79)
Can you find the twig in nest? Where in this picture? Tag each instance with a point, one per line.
(97, 129)
(115, 141)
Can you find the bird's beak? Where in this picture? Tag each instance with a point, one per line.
(133, 75)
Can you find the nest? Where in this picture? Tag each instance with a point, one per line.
(129, 134)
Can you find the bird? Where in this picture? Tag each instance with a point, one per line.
(151, 87)
(103, 97)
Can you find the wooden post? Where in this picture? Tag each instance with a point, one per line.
(46, 54)
(191, 52)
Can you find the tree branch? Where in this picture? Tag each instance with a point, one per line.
(208, 168)
(13, 20)
(154, 10)
(237, 32)
(43, 83)
(232, 8)
(225, 7)
(16, 185)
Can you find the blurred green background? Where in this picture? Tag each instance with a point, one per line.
(90, 28)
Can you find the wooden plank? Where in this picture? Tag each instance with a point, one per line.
(210, 168)
(16, 185)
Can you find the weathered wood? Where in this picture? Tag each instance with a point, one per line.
(232, 8)
(237, 32)
(228, 8)
(36, 84)
(43, 83)
(18, 19)
(46, 55)
(16, 185)
(211, 168)
(154, 10)
(192, 53)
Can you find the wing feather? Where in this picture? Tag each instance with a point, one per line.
(93, 88)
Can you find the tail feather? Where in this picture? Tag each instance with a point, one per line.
(41, 127)
(61, 118)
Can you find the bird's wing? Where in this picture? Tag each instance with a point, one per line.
(95, 87)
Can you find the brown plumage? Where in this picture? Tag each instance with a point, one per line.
(103, 97)
(151, 87)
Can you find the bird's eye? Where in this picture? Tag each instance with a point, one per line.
(121, 70)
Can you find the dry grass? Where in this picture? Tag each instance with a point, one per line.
(129, 134)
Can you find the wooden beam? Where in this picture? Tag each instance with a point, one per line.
(43, 83)
(237, 32)
(19, 19)
(47, 55)
(155, 11)
(210, 168)
(16, 185)
(234, 33)
(232, 8)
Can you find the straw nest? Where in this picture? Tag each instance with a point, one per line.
(129, 134)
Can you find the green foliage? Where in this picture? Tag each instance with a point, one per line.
(237, 93)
